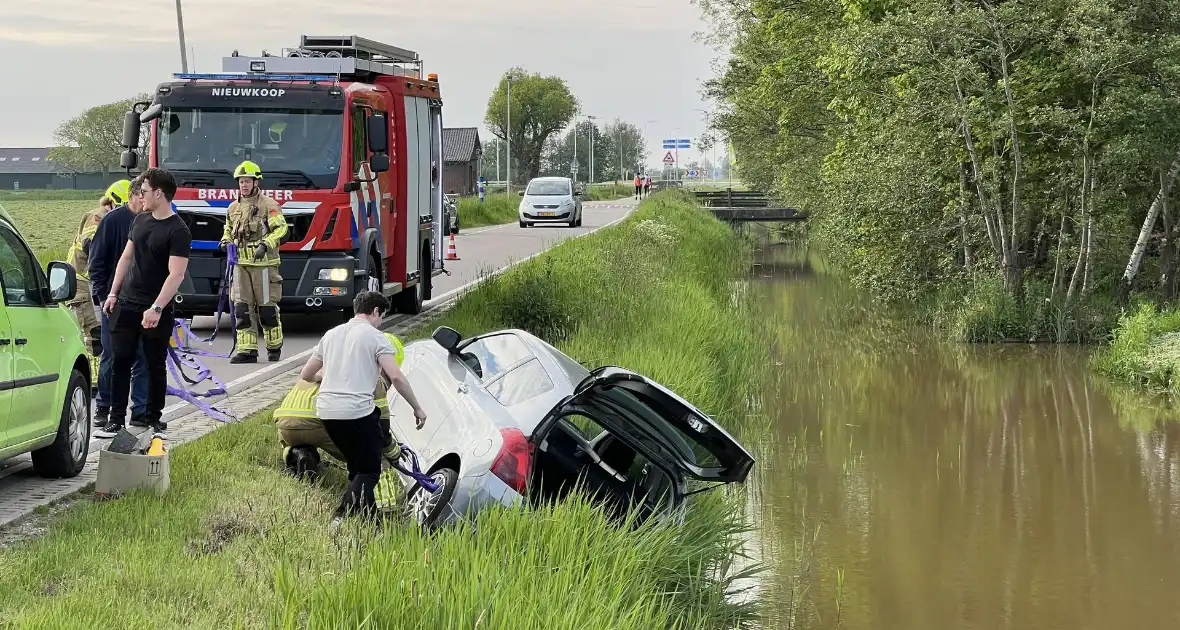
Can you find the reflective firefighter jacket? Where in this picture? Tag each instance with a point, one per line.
(79, 254)
(253, 220)
(300, 401)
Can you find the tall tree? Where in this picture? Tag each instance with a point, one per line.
(91, 140)
(540, 105)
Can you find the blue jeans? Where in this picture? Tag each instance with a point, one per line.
(106, 370)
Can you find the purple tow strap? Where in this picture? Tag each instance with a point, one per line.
(183, 356)
(414, 471)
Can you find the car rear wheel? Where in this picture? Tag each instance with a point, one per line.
(66, 457)
(427, 508)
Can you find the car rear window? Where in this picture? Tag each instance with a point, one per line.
(490, 356)
(522, 383)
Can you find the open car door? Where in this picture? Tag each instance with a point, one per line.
(655, 421)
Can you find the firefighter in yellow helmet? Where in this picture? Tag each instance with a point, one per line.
(255, 223)
(301, 432)
(82, 306)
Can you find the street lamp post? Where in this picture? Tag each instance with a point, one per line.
(508, 134)
(590, 175)
(180, 30)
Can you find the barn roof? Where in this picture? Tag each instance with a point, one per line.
(26, 161)
(460, 144)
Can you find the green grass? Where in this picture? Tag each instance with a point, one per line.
(57, 194)
(610, 191)
(1144, 350)
(48, 226)
(496, 208)
(235, 543)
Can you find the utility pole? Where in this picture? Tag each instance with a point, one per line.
(575, 172)
(183, 48)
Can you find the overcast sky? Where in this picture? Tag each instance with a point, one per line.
(637, 61)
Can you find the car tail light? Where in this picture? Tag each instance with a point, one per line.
(515, 460)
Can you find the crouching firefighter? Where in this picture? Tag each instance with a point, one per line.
(302, 433)
(255, 224)
(82, 306)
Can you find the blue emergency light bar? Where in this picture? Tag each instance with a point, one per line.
(257, 77)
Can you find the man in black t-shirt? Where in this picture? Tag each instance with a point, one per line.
(140, 302)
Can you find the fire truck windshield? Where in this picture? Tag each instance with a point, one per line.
(301, 147)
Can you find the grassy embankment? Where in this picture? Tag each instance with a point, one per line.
(237, 544)
(1144, 350)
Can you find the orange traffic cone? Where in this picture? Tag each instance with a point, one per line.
(452, 253)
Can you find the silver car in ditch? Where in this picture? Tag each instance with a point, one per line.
(512, 420)
(551, 200)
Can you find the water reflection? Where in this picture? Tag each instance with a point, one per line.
(915, 485)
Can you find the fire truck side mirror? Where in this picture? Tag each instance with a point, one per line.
(128, 160)
(131, 130)
(379, 163)
(378, 133)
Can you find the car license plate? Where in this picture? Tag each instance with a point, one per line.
(546, 214)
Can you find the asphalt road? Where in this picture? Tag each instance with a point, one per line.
(480, 250)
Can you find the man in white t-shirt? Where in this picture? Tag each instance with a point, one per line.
(352, 356)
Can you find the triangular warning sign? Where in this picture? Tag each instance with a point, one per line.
(668, 159)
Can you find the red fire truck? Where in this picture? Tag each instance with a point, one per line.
(349, 139)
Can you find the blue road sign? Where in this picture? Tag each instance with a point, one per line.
(678, 143)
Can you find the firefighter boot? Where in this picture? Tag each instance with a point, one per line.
(272, 331)
(247, 337)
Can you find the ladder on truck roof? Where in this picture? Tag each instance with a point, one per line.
(345, 56)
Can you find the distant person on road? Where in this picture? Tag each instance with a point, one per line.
(351, 356)
(149, 272)
(646, 185)
(638, 187)
(107, 244)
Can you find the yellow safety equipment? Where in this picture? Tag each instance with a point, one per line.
(248, 169)
(277, 129)
(253, 221)
(79, 252)
(299, 402)
(399, 351)
(119, 192)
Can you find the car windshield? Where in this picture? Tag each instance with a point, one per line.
(549, 187)
(304, 144)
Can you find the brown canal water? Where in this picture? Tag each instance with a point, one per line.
(912, 484)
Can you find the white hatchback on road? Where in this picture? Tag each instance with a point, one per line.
(511, 419)
(550, 200)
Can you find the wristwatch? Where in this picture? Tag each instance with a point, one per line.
(158, 309)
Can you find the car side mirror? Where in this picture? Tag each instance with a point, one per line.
(63, 281)
(521, 193)
(448, 338)
(128, 160)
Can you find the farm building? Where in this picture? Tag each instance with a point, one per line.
(30, 169)
(461, 154)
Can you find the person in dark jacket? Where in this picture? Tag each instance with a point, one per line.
(105, 249)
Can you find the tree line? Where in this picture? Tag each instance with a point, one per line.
(543, 140)
(1007, 155)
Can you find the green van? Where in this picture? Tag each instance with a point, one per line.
(44, 374)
